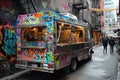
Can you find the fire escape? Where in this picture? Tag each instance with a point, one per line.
(24, 6)
(78, 9)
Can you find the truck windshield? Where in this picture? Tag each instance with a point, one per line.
(34, 33)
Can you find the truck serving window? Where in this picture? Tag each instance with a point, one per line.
(63, 33)
(69, 34)
(34, 33)
(77, 34)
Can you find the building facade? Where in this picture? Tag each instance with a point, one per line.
(96, 21)
(110, 16)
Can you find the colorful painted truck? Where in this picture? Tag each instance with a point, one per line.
(49, 41)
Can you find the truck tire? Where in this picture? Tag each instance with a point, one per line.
(67, 70)
(90, 54)
(90, 57)
(73, 65)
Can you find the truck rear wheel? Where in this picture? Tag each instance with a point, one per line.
(73, 65)
(67, 70)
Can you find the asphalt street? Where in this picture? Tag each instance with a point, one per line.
(103, 66)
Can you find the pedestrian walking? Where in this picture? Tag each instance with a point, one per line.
(105, 43)
(111, 43)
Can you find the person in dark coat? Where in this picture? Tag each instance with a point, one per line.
(105, 43)
(111, 43)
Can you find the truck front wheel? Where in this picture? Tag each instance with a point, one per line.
(73, 65)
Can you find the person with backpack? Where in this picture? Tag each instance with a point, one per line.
(105, 43)
(111, 43)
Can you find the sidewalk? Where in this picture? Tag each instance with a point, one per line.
(116, 75)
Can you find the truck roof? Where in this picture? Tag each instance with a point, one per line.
(40, 18)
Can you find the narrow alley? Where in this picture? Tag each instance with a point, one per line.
(55, 39)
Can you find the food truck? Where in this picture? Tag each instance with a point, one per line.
(49, 41)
